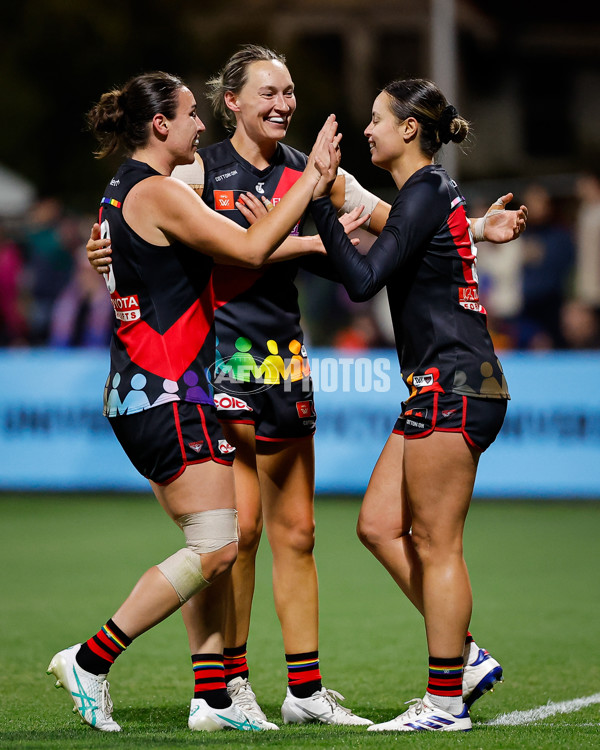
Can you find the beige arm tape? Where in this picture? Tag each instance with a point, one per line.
(207, 531)
(191, 174)
(356, 195)
(478, 228)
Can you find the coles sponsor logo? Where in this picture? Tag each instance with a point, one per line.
(468, 297)
(197, 446)
(126, 308)
(305, 409)
(225, 447)
(224, 200)
(231, 403)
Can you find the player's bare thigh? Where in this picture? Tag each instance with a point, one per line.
(385, 514)
(439, 475)
(287, 477)
(247, 486)
(205, 486)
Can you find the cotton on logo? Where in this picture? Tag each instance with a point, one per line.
(224, 200)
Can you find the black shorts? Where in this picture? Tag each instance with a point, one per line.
(478, 419)
(161, 442)
(285, 411)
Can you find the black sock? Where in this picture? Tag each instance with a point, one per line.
(235, 663)
(304, 677)
(98, 653)
(209, 680)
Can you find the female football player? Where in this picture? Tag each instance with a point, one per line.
(158, 396)
(414, 510)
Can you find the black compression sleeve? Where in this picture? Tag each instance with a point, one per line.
(320, 265)
(362, 275)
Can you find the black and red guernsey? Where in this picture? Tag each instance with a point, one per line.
(255, 305)
(163, 342)
(426, 258)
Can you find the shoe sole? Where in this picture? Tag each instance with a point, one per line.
(422, 729)
(317, 720)
(485, 686)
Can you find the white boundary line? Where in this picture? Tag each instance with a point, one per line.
(516, 718)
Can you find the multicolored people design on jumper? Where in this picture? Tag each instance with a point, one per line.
(273, 366)
(298, 366)
(242, 367)
(136, 399)
(194, 392)
(242, 364)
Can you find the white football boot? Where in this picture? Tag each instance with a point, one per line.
(481, 673)
(422, 716)
(322, 706)
(241, 693)
(89, 692)
(204, 718)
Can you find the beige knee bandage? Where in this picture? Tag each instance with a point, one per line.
(205, 532)
(209, 530)
(183, 571)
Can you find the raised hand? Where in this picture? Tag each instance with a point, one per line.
(325, 154)
(499, 224)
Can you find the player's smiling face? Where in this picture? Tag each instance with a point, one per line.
(384, 133)
(266, 103)
(185, 128)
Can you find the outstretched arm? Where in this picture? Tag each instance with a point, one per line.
(169, 209)
(253, 209)
(177, 212)
(499, 224)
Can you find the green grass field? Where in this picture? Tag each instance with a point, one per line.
(68, 561)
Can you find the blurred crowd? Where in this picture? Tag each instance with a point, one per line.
(541, 292)
(49, 294)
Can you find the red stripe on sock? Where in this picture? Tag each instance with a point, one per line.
(450, 692)
(108, 644)
(101, 652)
(310, 675)
(235, 666)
